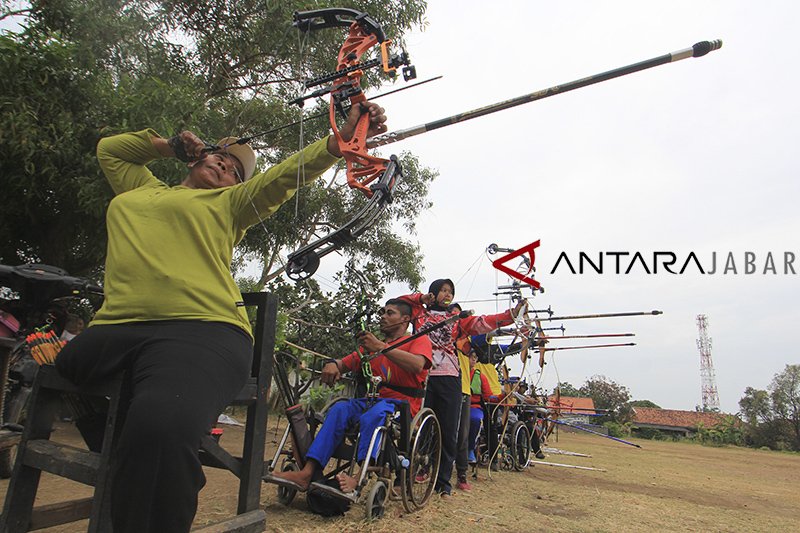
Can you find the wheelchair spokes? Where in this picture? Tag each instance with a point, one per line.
(285, 494)
(520, 446)
(424, 462)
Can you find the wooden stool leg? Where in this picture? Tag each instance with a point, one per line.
(25, 479)
(100, 519)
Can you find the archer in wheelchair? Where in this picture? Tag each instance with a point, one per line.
(386, 431)
(512, 425)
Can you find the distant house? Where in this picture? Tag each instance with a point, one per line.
(672, 420)
(573, 409)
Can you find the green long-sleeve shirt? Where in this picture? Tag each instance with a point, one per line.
(170, 248)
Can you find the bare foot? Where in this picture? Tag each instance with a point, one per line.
(300, 477)
(347, 484)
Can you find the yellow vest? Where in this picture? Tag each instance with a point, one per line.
(486, 369)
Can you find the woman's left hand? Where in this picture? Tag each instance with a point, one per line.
(377, 124)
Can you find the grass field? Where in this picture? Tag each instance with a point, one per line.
(664, 486)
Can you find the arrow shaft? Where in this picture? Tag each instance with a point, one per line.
(594, 336)
(561, 422)
(697, 50)
(592, 346)
(604, 315)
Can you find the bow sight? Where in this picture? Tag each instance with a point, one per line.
(349, 67)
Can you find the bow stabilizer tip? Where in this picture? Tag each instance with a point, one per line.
(703, 47)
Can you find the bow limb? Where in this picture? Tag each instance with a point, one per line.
(552, 421)
(541, 343)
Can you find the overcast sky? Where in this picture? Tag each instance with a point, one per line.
(695, 156)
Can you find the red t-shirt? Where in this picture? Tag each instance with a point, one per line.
(392, 374)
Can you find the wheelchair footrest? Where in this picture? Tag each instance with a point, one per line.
(333, 491)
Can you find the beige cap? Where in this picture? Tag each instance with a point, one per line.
(243, 152)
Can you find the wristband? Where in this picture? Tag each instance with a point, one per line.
(326, 361)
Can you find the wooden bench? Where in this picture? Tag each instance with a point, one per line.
(37, 453)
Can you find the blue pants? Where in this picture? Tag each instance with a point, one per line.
(475, 419)
(344, 414)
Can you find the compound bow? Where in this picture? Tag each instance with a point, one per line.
(374, 176)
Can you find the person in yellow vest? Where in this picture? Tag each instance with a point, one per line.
(480, 391)
(173, 317)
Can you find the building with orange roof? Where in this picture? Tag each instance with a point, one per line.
(673, 420)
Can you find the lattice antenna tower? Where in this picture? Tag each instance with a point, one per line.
(708, 386)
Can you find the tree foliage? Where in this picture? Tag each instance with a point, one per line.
(644, 403)
(772, 416)
(728, 430)
(81, 70)
(610, 395)
(568, 389)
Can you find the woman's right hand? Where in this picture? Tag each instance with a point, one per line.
(192, 144)
(428, 299)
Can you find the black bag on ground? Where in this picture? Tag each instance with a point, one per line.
(324, 504)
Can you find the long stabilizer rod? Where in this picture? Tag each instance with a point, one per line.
(698, 50)
(604, 315)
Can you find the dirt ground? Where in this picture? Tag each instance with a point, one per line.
(664, 486)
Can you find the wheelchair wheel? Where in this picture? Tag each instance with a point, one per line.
(376, 501)
(520, 446)
(286, 495)
(426, 448)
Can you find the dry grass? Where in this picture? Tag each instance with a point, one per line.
(662, 487)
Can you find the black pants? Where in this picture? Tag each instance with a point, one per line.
(443, 395)
(491, 431)
(182, 375)
(463, 445)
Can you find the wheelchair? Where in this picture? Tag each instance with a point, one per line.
(536, 419)
(408, 455)
(505, 439)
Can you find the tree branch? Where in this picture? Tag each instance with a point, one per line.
(15, 13)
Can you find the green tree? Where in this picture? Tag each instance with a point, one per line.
(567, 389)
(610, 395)
(785, 395)
(755, 406)
(644, 403)
(772, 416)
